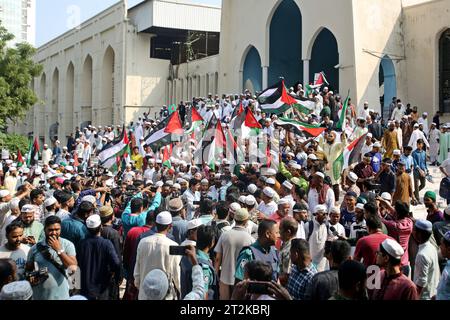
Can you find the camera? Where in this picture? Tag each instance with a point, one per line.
(37, 277)
(177, 250)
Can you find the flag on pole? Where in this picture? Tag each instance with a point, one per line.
(298, 127)
(341, 123)
(163, 133)
(251, 126)
(320, 79)
(195, 120)
(118, 149)
(33, 153)
(349, 156)
(172, 108)
(167, 153)
(20, 161)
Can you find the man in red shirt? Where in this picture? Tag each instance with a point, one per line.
(367, 247)
(283, 210)
(393, 284)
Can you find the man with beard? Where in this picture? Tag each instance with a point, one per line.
(333, 150)
(320, 193)
(57, 255)
(403, 186)
(390, 140)
(14, 249)
(433, 136)
(434, 213)
(32, 229)
(214, 191)
(11, 180)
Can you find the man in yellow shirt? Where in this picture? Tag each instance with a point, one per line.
(137, 158)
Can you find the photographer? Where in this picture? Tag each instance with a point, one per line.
(255, 286)
(56, 254)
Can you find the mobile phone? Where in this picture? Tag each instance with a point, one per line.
(258, 288)
(196, 203)
(177, 250)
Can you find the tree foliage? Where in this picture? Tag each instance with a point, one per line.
(17, 70)
(12, 142)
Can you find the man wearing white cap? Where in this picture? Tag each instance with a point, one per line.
(423, 120)
(390, 140)
(153, 253)
(434, 136)
(11, 180)
(416, 135)
(316, 233)
(399, 287)
(286, 194)
(267, 206)
(191, 235)
(368, 145)
(47, 154)
(320, 192)
(98, 261)
(426, 267)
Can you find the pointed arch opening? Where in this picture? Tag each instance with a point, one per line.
(387, 83)
(252, 70)
(106, 114)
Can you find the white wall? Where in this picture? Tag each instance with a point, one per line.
(424, 25)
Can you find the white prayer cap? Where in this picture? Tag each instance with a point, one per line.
(177, 186)
(159, 184)
(93, 221)
(360, 206)
(397, 152)
(269, 192)
(164, 218)
(16, 290)
(89, 198)
(4, 193)
(205, 182)
(194, 224)
(320, 174)
(28, 208)
(235, 206)
(369, 135)
(271, 172)
(241, 199)
(270, 181)
(252, 188)
(283, 201)
(155, 285)
(49, 202)
(287, 185)
(250, 200)
(352, 177)
(377, 145)
(320, 208)
(38, 171)
(386, 196)
(393, 248)
(312, 156)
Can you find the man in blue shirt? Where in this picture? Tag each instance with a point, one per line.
(420, 168)
(376, 157)
(408, 159)
(133, 215)
(73, 228)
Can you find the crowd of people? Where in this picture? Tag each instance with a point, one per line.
(291, 229)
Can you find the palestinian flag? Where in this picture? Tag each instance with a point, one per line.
(113, 151)
(299, 128)
(217, 147)
(161, 135)
(33, 153)
(310, 88)
(20, 161)
(239, 118)
(342, 113)
(276, 100)
(349, 156)
(319, 79)
(237, 111)
(167, 153)
(251, 126)
(195, 120)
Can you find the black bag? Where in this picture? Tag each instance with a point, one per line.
(444, 189)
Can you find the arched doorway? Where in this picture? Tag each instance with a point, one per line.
(324, 57)
(106, 115)
(86, 93)
(252, 71)
(286, 44)
(70, 88)
(444, 72)
(387, 84)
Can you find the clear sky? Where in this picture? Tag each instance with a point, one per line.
(54, 17)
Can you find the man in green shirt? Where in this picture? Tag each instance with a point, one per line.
(33, 231)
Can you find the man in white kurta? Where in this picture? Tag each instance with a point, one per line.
(416, 135)
(434, 143)
(153, 253)
(318, 237)
(47, 154)
(268, 206)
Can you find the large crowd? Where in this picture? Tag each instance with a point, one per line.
(285, 229)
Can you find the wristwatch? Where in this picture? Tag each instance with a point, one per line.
(60, 252)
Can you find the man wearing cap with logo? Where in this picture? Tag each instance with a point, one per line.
(394, 285)
(227, 250)
(153, 253)
(99, 263)
(267, 206)
(320, 193)
(426, 268)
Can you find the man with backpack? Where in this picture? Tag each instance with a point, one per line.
(316, 234)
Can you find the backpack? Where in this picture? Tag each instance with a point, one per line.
(310, 229)
(186, 278)
(444, 188)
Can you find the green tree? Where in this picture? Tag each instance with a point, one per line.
(17, 69)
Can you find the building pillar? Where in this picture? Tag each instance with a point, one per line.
(241, 81)
(305, 72)
(265, 77)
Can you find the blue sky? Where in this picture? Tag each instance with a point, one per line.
(54, 17)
